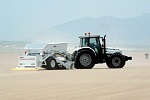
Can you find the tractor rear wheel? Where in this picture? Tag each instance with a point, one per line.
(84, 59)
(116, 61)
(51, 63)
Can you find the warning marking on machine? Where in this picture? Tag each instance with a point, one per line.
(27, 60)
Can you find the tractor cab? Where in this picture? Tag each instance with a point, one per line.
(95, 42)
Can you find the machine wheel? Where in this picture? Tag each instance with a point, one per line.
(84, 59)
(116, 61)
(51, 64)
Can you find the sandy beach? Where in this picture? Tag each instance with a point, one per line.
(100, 83)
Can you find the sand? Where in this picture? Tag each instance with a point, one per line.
(100, 83)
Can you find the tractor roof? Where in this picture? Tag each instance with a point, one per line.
(90, 36)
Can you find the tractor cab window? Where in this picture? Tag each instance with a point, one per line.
(95, 44)
(84, 42)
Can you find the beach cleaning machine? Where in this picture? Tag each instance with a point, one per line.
(92, 50)
(45, 55)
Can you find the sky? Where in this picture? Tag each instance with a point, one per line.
(22, 18)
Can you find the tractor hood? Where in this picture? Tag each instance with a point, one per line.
(110, 50)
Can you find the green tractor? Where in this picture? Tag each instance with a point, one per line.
(92, 50)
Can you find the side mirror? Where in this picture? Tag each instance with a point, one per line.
(102, 39)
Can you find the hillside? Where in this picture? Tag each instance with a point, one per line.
(121, 31)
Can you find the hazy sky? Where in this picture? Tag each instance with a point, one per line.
(25, 17)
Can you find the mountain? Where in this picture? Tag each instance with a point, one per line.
(122, 31)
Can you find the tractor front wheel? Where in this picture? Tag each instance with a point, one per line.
(116, 61)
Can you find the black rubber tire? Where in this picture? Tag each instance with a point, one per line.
(83, 63)
(51, 64)
(116, 61)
